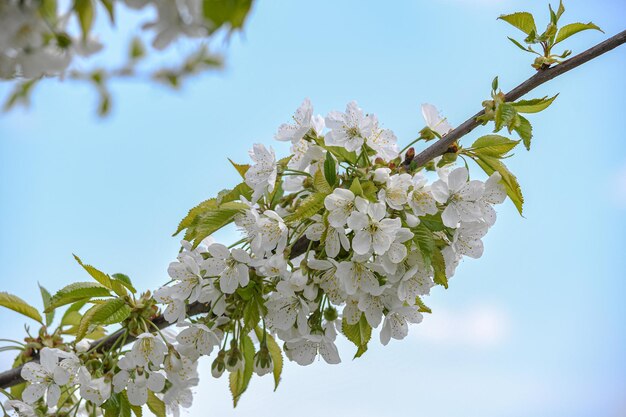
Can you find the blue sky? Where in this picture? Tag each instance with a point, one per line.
(535, 327)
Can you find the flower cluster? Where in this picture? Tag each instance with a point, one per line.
(344, 236)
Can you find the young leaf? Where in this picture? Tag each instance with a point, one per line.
(85, 11)
(125, 281)
(524, 21)
(239, 380)
(494, 145)
(573, 28)
(533, 106)
(359, 333)
(524, 130)
(112, 311)
(109, 7)
(320, 183)
(241, 168)
(342, 154)
(439, 267)
(356, 188)
(490, 164)
(212, 220)
(15, 303)
(194, 212)
(423, 308)
(78, 291)
(241, 190)
(505, 114)
(45, 297)
(330, 169)
(309, 207)
(156, 405)
(277, 359)
(85, 322)
(103, 278)
(425, 241)
(519, 45)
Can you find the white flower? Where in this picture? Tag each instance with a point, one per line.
(187, 272)
(304, 350)
(420, 199)
(383, 141)
(179, 395)
(416, 281)
(274, 266)
(467, 239)
(136, 379)
(381, 175)
(349, 129)
(395, 193)
(461, 195)
(148, 349)
(372, 230)
(230, 265)
(434, 120)
(495, 193)
(395, 324)
(176, 308)
(340, 205)
(49, 375)
(397, 251)
(372, 307)
(327, 278)
(284, 312)
(271, 234)
(357, 274)
(261, 176)
(197, 340)
(22, 409)
(96, 390)
(303, 122)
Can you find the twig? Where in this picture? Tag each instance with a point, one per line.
(12, 377)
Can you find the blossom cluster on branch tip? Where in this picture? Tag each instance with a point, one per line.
(378, 233)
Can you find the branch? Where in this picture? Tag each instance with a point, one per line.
(441, 146)
(12, 377)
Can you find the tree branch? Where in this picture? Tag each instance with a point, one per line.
(441, 146)
(12, 377)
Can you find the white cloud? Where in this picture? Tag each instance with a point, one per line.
(481, 326)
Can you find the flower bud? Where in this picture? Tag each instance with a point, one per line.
(381, 175)
(263, 361)
(330, 314)
(218, 366)
(234, 360)
(412, 220)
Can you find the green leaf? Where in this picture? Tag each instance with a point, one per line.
(342, 154)
(359, 334)
(330, 169)
(241, 190)
(226, 12)
(356, 188)
(505, 115)
(490, 164)
(239, 380)
(277, 359)
(15, 303)
(156, 405)
(137, 411)
(85, 11)
(212, 220)
(524, 21)
(112, 311)
(194, 212)
(241, 168)
(103, 278)
(524, 130)
(423, 308)
(48, 10)
(86, 322)
(439, 268)
(573, 28)
(45, 297)
(109, 7)
(76, 292)
(533, 106)
(69, 317)
(425, 241)
(494, 145)
(519, 45)
(321, 184)
(124, 410)
(308, 207)
(125, 281)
